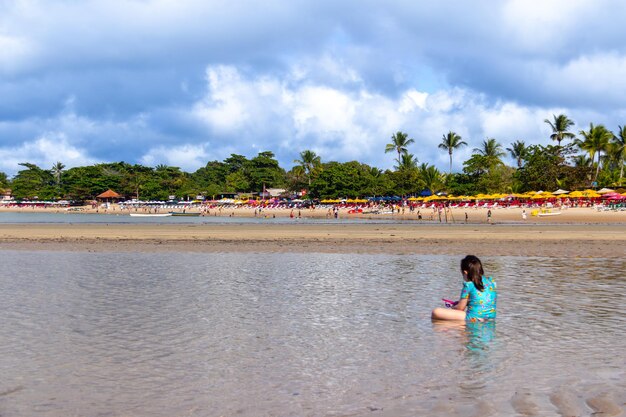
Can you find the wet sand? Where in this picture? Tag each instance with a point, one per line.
(551, 240)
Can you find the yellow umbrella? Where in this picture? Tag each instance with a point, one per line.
(434, 197)
(576, 194)
(591, 193)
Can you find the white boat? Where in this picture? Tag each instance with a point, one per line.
(548, 214)
(150, 214)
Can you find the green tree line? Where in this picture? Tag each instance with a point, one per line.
(593, 157)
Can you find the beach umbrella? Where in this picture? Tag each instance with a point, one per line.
(590, 194)
(576, 194)
(560, 192)
(434, 198)
(612, 196)
(426, 192)
(605, 191)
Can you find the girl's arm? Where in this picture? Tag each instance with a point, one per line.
(461, 304)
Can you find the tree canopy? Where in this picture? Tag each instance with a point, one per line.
(595, 157)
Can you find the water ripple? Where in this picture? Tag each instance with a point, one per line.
(131, 334)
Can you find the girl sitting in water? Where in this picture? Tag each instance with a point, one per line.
(478, 296)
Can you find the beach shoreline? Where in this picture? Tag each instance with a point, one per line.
(454, 215)
(549, 240)
(574, 232)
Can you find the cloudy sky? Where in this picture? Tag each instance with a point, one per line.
(184, 82)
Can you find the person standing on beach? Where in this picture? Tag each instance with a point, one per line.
(489, 216)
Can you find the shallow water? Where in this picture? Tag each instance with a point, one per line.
(238, 218)
(139, 334)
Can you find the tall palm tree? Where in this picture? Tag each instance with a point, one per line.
(595, 141)
(310, 162)
(57, 170)
(582, 160)
(399, 143)
(559, 126)
(407, 162)
(450, 142)
(518, 152)
(431, 177)
(619, 142)
(492, 151)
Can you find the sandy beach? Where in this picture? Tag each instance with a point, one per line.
(557, 240)
(575, 232)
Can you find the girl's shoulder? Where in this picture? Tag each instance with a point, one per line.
(468, 284)
(488, 281)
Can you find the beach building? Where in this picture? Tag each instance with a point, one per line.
(109, 196)
(272, 193)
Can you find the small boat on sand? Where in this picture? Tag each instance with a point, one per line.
(182, 213)
(150, 214)
(546, 214)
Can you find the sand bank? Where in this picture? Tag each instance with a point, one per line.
(553, 240)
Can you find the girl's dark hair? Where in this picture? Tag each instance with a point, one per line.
(474, 268)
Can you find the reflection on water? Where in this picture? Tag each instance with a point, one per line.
(133, 334)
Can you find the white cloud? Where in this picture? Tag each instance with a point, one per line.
(157, 80)
(347, 124)
(44, 152)
(543, 26)
(188, 157)
(14, 52)
(600, 77)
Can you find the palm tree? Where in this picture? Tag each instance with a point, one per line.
(310, 163)
(619, 142)
(596, 140)
(559, 126)
(582, 161)
(518, 152)
(57, 170)
(450, 142)
(430, 176)
(399, 143)
(407, 162)
(492, 151)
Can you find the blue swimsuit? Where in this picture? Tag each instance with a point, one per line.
(481, 305)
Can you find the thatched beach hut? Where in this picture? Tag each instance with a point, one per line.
(109, 196)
